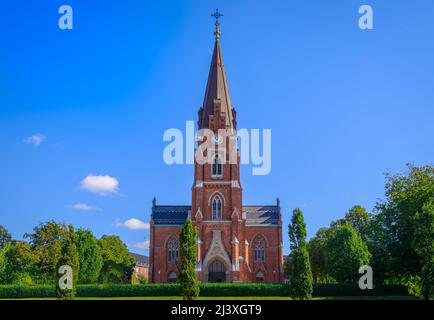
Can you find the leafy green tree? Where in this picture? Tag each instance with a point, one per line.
(5, 237)
(317, 252)
(46, 243)
(378, 244)
(301, 279)
(3, 252)
(18, 263)
(118, 264)
(90, 257)
(359, 218)
(69, 257)
(187, 278)
(406, 195)
(423, 244)
(370, 232)
(346, 253)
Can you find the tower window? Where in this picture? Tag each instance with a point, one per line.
(172, 249)
(217, 208)
(217, 167)
(259, 249)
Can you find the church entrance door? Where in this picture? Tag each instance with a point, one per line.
(216, 272)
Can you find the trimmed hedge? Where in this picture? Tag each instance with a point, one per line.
(39, 291)
(344, 289)
(243, 290)
(206, 290)
(128, 290)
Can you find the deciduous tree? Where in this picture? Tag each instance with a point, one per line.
(46, 243)
(423, 244)
(18, 263)
(346, 253)
(317, 253)
(90, 257)
(406, 195)
(5, 237)
(359, 218)
(118, 264)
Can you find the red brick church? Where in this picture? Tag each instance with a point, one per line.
(236, 242)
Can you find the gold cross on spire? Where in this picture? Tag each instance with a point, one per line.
(217, 15)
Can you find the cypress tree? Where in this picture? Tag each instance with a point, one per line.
(188, 281)
(301, 280)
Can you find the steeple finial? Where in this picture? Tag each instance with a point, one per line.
(217, 15)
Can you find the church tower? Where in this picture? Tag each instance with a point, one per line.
(236, 243)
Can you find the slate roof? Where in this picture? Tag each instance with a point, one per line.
(170, 214)
(176, 215)
(141, 260)
(261, 214)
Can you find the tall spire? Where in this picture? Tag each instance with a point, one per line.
(217, 89)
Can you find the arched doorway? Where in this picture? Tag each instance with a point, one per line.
(172, 277)
(216, 272)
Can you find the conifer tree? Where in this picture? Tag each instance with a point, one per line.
(301, 279)
(188, 280)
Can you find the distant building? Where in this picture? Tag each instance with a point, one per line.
(141, 270)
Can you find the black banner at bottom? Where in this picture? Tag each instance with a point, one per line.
(211, 309)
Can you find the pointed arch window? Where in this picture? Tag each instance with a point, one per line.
(216, 208)
(259, 249)
(172, 250)
(217, 166)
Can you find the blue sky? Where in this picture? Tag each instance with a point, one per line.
(344, 105)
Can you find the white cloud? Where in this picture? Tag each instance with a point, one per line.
(133, 224)
(35, 139)
(84, 207)
(102, 185)
(142, 245)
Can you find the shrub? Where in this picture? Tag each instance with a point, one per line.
(243, 290)
(127, 290)
(344, 289)
(206, 290)
(14, 291)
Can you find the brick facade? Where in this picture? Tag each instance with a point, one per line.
(236, 243)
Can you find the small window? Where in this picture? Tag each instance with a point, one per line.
(217, 167)
(172, 250)
(217, 208)
(259, 249)
(259, 277)
(172, 277)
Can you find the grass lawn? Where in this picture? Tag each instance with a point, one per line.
(240, 298)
